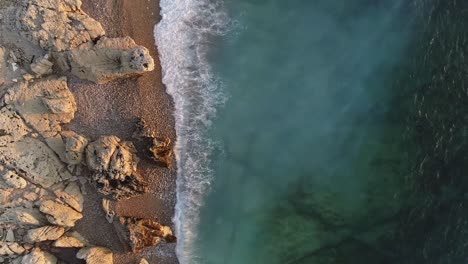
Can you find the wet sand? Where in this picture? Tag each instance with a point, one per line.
(114, 108)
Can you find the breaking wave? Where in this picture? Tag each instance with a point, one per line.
(184, 37)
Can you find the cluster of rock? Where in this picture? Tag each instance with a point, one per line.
(73, 40)
(41, 165)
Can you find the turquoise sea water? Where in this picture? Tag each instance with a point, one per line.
(318, 131)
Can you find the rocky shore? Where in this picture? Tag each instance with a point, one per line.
(59, 180)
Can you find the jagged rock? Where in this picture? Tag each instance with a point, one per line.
(42, 66)
(22, 217)
(45, 104)
(96, 255)
(109, 59)
(10, 248)
(162, 151)
(144, 233)
(59, 214)
(75, 145)
(38, 256)
(44, 233)
(143, 261)
(57, 25)
(72, 196)
(114, 164)
(13, 180)
(110, 214)
(71, 240)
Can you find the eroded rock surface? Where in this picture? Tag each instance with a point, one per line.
(144, 233)
(38, 256)
(57, 25)
(60, 214)
(114, 163)
(44, 233)
(75, 145)
(107, 60)
(71, 240)
(45, 105)
(96, 255)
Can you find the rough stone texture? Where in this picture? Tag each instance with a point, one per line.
(38, 256)
(72, 196)
(57, 25)
(45, 105)
(12, 126)
(41, 166)
(23, 217)
(109, 59)
(42, 66)
(59, 214)
(162, 151)
(144, 233)
(71, 240)
(44, 233)
(13, 180)
(75, 145)
(96, 255)
(114, 164)
(10, 248)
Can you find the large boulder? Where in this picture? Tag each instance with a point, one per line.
(107, 60)
(114, 164)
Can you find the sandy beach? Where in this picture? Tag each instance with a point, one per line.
(114, 108)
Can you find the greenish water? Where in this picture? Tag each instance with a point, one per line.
(343, 138)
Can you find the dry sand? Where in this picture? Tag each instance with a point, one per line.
(114, 109)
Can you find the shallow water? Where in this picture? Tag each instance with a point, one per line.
(326, 150)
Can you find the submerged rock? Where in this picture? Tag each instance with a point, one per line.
(114, 163)
(107, 60)
(144, 233)
(96, 255)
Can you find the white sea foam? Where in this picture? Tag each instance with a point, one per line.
(184, 37)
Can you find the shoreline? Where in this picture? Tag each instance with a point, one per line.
(128, 99)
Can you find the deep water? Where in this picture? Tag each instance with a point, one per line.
(342, 139)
